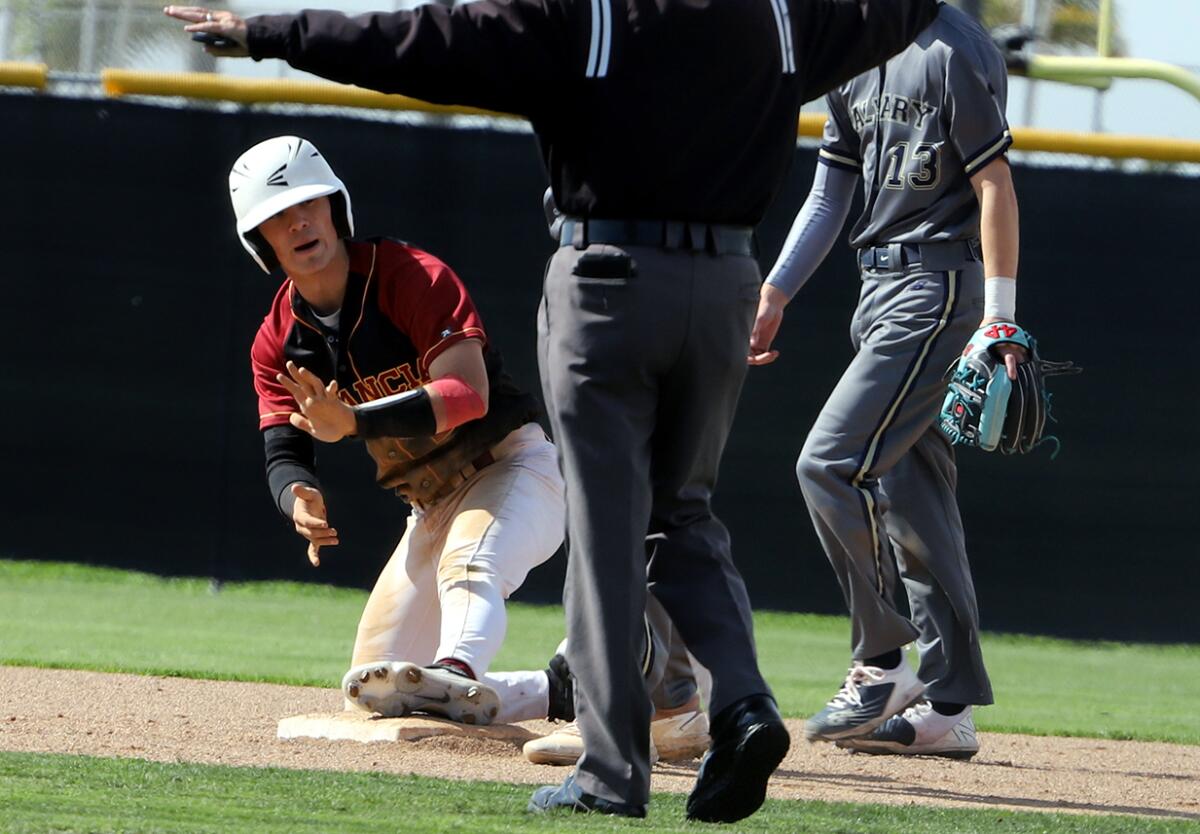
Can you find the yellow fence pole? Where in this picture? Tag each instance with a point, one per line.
(1106, 145)
(1084, 70)
(19, 74)
(212, 86)
(812, 125)
(1104, 30)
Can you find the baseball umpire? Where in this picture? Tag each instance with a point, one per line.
(412, 374)
(666, 127)
(927, 135)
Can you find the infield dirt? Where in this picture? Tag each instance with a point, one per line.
(219, 722)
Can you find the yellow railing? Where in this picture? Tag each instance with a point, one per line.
(1106, 145)
(14, 74)
(211, 86)
(1092, 71)
(203, 85)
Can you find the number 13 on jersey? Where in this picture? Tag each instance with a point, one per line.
(917, 170)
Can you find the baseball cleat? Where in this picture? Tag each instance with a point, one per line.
(570, 797)
(920, 731)
(680, 737)
(564, 746)
(868, 697)
(397, 688)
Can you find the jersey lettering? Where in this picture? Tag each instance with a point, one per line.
(890, 108)
(392, 381)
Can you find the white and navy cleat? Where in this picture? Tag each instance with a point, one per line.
(920, 731)
(397, 688)
(868, 697)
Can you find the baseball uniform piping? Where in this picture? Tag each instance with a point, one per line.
(454, 338)
(292, 309)
(839, 160)
(914, 370)
(361, 312)
(648, 654)
(987, 154)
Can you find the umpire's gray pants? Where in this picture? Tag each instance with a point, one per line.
(641, 371)
(880, 479)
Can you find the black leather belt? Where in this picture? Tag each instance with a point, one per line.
(716, 239)
(908, 254)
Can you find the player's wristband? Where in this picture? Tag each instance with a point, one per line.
(409, 414)
(1000, 298)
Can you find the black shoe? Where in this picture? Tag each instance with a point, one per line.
(749, 741)
(562, 690)
(570, 797)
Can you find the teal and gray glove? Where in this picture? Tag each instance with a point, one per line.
(984, 408)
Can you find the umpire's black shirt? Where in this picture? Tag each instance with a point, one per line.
(647, 109)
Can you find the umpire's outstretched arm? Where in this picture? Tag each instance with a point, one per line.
(521, 56)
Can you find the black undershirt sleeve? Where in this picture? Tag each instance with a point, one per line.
(290, 458)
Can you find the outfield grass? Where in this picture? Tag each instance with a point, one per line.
(43, 793)
(72, 616)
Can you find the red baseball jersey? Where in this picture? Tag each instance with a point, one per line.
(403, 307)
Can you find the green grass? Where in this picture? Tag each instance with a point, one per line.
(73, 616)
(43, 793)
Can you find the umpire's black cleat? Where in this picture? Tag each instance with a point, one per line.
(562, 690)
(749, 741)
(570, 797)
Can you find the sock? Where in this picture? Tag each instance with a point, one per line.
(887, 660)
(947, 707)
(456, 666)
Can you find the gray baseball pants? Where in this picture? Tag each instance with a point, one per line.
(879, 478)
(642, 354)
(672, 679)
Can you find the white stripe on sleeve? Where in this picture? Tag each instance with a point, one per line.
(594, 49)
(605, 37)
(779, 8)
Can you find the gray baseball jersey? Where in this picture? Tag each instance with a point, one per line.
(917, 149)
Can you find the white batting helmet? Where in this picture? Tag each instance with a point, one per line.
(274, 175)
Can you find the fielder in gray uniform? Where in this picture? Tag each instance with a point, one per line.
(927, 135)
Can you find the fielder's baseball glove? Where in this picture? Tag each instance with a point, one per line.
(984, 408)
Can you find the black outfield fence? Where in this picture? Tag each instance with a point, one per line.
(129, 430)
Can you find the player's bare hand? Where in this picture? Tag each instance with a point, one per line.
(322, 412)
(1013, 354)
(771, 302)
(312, 521)
(214, 24)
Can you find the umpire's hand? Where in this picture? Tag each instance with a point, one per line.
(311, 520)
(222, 33)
